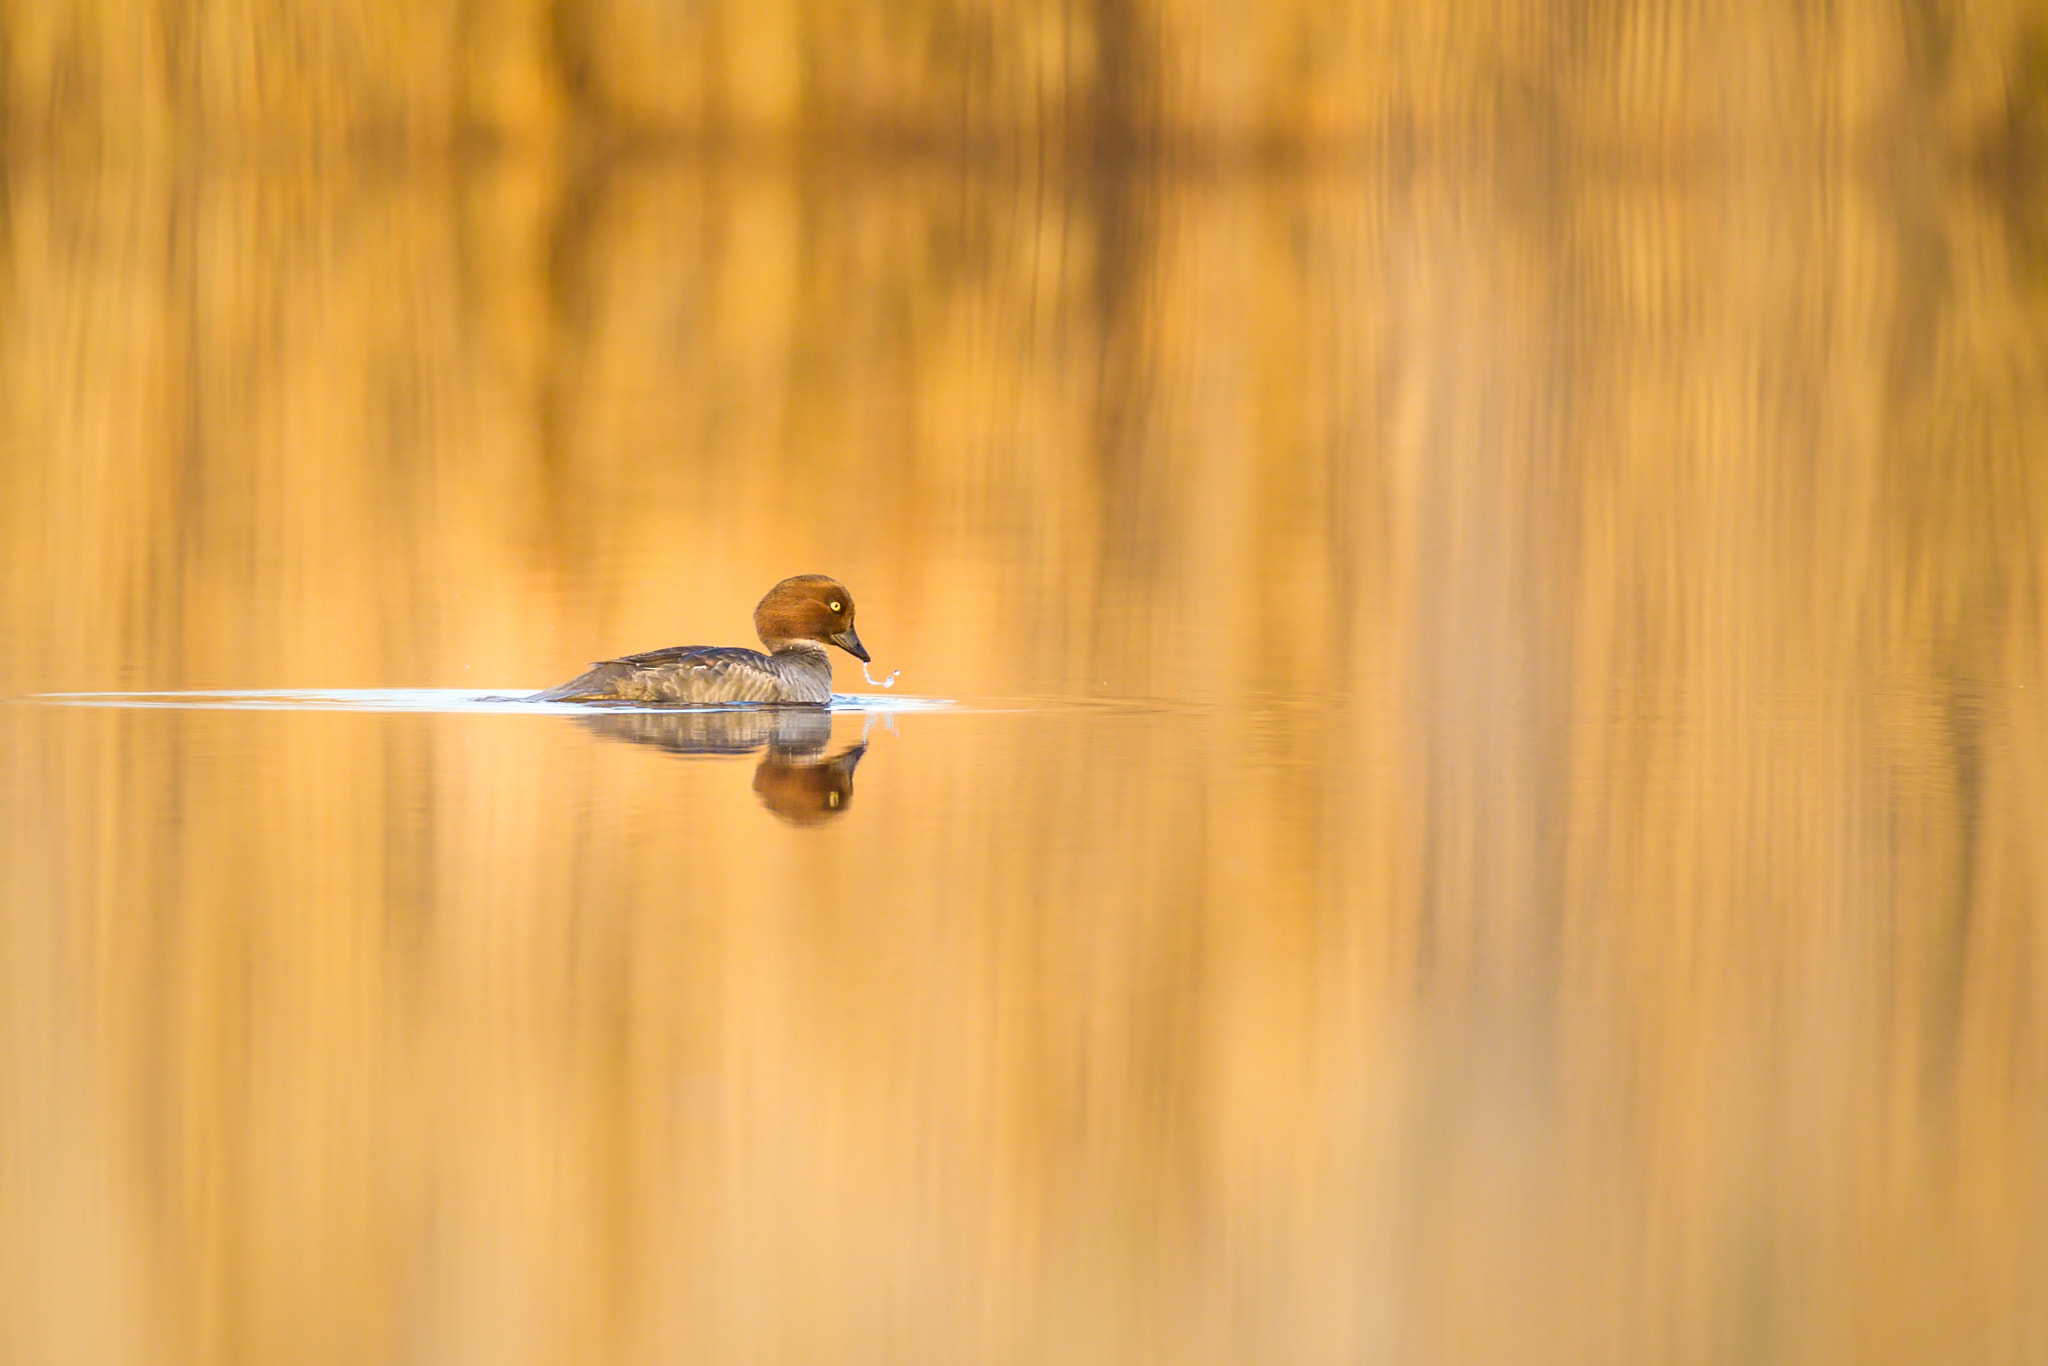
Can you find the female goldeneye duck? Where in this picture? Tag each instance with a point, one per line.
(796, 621)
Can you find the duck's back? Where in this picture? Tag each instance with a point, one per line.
(701, 675)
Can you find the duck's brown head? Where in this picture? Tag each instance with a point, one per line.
(809, 609)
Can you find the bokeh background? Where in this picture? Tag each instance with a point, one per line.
(1492, 557)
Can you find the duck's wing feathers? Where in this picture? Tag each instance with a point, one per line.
(682, 674)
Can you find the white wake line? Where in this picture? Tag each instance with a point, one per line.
(465, 700)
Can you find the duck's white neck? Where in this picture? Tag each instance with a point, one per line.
(804, 668)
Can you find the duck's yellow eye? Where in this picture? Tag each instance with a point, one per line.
(835, 606)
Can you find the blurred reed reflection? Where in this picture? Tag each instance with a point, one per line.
(796, 779)
(1558, 515)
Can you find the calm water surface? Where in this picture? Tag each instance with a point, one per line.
(1490, 810)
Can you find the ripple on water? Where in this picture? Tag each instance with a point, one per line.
(428, 699)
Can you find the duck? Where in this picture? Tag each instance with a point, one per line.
(797, 619)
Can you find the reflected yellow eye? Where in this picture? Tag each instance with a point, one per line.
(835, 606)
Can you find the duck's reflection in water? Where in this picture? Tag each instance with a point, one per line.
(796, 779)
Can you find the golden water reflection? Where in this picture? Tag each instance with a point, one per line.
(1512, 831)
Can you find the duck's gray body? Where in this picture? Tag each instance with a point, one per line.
(703, 675)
